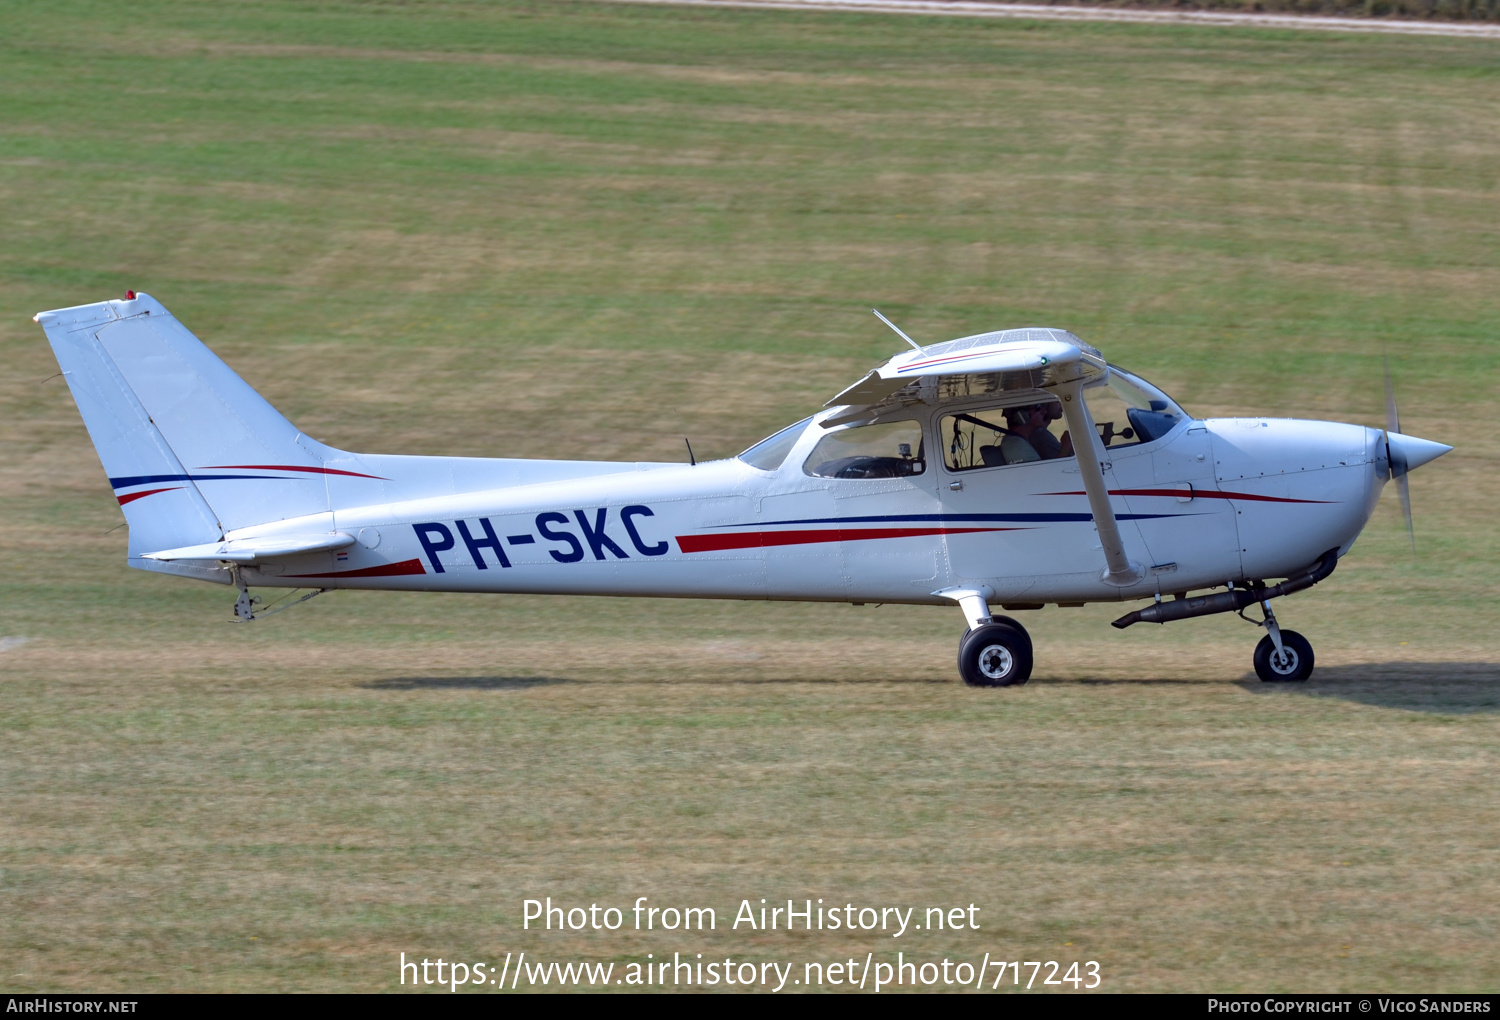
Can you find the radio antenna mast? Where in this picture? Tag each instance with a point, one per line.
(897, 328)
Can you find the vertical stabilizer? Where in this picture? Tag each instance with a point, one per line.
(190, 449)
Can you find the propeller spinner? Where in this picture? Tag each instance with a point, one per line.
(1405, 453)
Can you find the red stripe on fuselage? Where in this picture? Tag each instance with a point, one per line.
(130, 497)
(1193, 493)
(288, 467)
(752, 539)
(401, 569)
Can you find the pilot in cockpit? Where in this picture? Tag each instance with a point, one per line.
(1030, 437)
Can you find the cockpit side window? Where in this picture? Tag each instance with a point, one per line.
(886, 450)
(996, 436)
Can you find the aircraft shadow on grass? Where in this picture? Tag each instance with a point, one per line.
(1436, 688)
(521, 683)
(461, 683)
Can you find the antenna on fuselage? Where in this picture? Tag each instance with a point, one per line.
(897, 328)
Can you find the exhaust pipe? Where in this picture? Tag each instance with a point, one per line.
(1230, 601)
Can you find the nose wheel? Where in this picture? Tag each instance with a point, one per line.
(1292, 663)
(1282, 656)
(995, 654)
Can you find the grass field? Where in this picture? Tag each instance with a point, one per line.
(576, 230)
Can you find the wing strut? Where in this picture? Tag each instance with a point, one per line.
(1090, 451)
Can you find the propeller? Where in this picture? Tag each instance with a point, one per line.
(1395, 456)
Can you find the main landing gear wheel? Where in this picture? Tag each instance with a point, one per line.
(1296, 666)
(995, 655)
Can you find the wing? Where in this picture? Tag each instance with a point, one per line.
(1007, 359)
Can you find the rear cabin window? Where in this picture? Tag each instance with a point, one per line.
(887, 450)
(996, 436)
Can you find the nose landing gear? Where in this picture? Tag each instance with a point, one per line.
(1282, 655)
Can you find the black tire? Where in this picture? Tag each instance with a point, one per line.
(995, 655)
(1299, 653)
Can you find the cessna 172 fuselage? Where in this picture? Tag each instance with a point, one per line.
(948, 475)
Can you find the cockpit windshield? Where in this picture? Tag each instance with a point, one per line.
(1137, 392)
(1128, 410)
(769, 453)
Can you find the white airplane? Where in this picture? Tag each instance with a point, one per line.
(946, 475)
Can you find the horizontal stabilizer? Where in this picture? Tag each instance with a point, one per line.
(254, 550)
